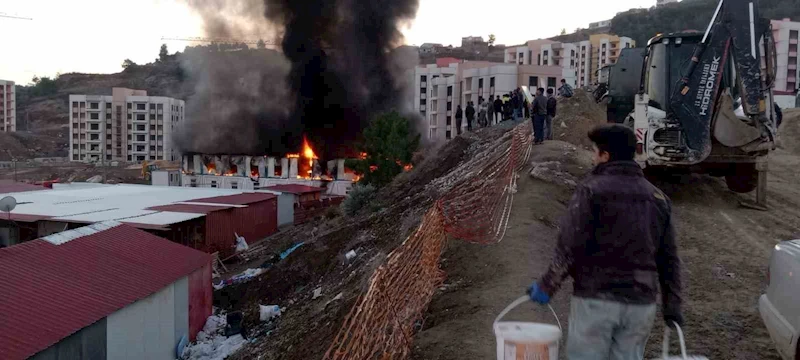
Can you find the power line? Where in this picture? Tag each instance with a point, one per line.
(14, 17)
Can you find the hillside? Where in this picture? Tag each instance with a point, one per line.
(642, 24)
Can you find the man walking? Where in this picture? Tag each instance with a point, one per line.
(539, 113)
(618, 244)
(551, 113)
(459, 116)
(470, 115)
(565, 90)
(516, 104)
(483, 109)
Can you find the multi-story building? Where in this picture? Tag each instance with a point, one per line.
(443, 89)
(563, 55)
(600, 24)
(583, 63)
(126, 126)
(8, 111)
(606, 49)
(787, 72)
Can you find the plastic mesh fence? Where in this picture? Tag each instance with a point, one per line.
(381, 324)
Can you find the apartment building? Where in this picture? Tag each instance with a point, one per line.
(785, 33)
(583, 63)
(129, 125)
(563, 55)
(443, 89)
(606, 49)
(8, 110)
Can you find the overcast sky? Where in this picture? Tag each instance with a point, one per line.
(95, 36)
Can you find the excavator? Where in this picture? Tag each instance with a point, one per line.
(705, 101)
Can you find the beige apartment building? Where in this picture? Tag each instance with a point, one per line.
(606, 49)
(8, 110)
(787, 36)
(126, 126)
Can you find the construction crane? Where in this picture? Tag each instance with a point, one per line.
(4, 15)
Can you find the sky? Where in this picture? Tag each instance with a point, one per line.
(95, 36)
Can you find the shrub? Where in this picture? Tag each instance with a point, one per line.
(360, 196)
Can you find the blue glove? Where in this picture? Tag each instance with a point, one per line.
(538, 295)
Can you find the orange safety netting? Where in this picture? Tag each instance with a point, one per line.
(382, 322)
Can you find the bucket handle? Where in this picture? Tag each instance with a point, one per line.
(665, 352)
(519, 301)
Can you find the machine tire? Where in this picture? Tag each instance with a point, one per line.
(744, 178)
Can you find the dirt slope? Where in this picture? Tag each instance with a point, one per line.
(725, 250)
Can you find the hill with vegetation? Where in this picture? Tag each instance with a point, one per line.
(643, 24)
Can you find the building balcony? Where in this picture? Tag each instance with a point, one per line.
(423, 96)
(792, 53)
(792, 41)
(793, 67)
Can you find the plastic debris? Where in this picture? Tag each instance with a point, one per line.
(269, 312)
(211, 343)
(241, 244)
(317, 293)
(290, 250)
(350, 255)
(244, 276)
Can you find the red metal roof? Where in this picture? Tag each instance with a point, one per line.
(190, 208)
(15, 187)
(239, 199)
(295, 189)
(23, 217)
(56, 290)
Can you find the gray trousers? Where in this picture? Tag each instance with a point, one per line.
(548, 128)
(608, 330)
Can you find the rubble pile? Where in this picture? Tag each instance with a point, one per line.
(576, 116)
(789, 133)
(560, 163)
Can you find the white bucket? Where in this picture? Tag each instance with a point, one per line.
(665, 350)
(526, 340)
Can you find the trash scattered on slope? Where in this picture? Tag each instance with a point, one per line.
(240, 278)
(241, 244)
(350, 255)
(290, 250)
(317, 293)
(211, 343)
(267, 312)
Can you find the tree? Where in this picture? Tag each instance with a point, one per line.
(128, 63)
(43, 86)
(563, 31)
(492, 39)
(163, 54)
(389, 144)
(260, 44)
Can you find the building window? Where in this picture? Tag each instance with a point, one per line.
(140, 117)
(129, 157)
(94, 105)
(423, 78)
(193, 182)
(533, 82)
(152, 148)
(152, 137)
(551, 82)
(140, 138)
(94, 127)
(130, 117)
(75, 157)
(544, 62)
(491, 81)
(152, 116)
(94, 136)
(450, 90)
(449, 120)
(141, 106)
(432, 133)
(448, 134)
(75, 105)
(159, 106)
(480, 86)
(449, 105)
(213, 183)
(235, 185)
(423, 102)
(94, 116)
(130, 106)
(422, 91)
(538, 59)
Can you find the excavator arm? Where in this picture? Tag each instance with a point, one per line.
(734, 35)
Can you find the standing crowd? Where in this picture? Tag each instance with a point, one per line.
(515, 106)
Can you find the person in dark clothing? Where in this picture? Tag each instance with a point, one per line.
(498, 109)
(617, 243)
(552, 103)
(526, 108)
(539, 113)
(459, 116)
(516, 104)
(470, 112)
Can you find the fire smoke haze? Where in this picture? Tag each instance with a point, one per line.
(335, 71)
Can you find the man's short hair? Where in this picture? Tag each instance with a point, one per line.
(540, 89)
(563, 81)
(550, 91)
(617, 140)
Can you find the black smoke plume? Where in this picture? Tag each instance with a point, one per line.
(335, 72)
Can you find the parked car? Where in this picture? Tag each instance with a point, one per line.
(779, 307)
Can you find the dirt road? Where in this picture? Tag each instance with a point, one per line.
(725, 249)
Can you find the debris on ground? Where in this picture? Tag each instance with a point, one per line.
(244, 276)
(789, 132)
(576, 116)
(212, 344)
(269, 312)
(550, 171)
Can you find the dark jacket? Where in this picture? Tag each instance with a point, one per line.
(470, 112)
(458, 113)
(617, 241)
(498, 105)
(552, 103)
(540, 105)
